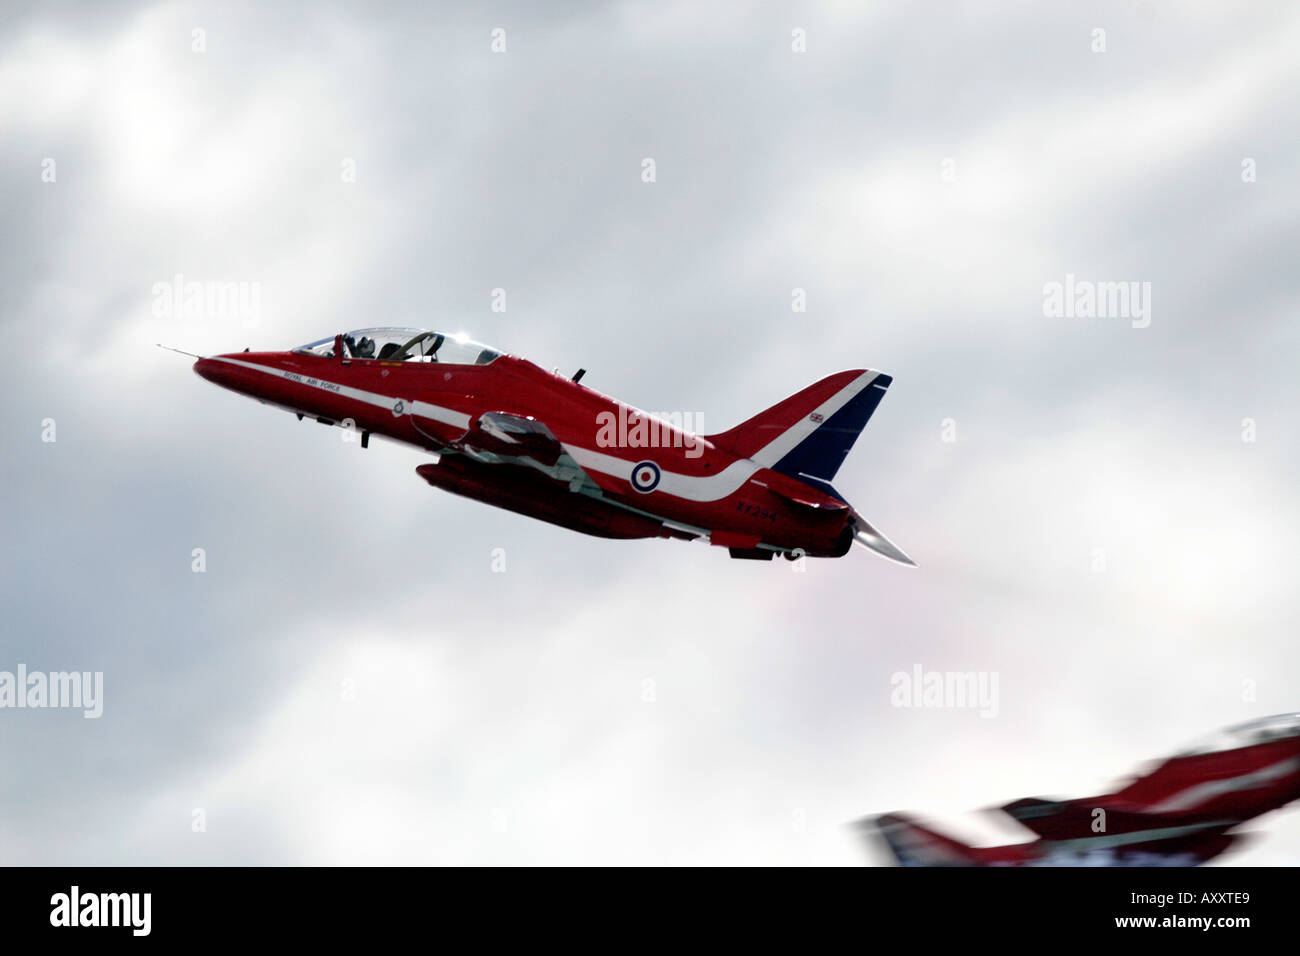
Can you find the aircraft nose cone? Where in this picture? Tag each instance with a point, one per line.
(215, 371)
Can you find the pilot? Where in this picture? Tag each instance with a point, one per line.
(365, 348)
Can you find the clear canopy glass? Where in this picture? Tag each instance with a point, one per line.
(1248, 734)
(406, 345)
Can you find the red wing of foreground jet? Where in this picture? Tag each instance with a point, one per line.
(511, 434)
(1178, 814)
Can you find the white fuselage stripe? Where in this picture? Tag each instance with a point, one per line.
(1203, 792)
(1111, 840)
(423, 409)
(689, 487)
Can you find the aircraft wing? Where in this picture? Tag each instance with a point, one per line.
(1073, 819)
(505, 438)
(1051, 819)
(1189, 845)
(1075, 833)
(502, 435)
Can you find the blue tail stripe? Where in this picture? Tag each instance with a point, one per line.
(820, 455)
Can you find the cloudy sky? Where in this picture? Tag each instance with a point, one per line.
(1104, 513)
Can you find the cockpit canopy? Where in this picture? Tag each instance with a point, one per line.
(1260, 731)
(406, 345)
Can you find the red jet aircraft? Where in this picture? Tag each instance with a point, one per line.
(1176, 815)
(511, 434)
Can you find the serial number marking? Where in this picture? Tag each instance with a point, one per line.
(753, 510)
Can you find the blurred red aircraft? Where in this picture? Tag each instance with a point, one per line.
(1179, 814)
(511, 434)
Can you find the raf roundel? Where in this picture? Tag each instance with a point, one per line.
(645, 476)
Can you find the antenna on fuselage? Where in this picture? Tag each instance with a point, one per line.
(577, 376)
(181, 351)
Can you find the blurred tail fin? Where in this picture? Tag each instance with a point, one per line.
(914, 845)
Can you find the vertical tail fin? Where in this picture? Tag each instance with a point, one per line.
(914, 845)
(808, 435)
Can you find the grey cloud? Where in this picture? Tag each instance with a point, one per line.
(501, 717)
